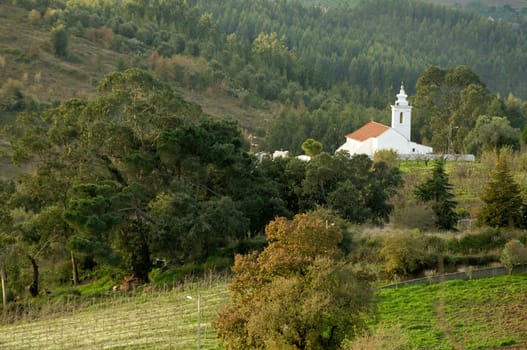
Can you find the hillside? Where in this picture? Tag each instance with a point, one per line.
(349, 44)
(332, 69)
(488, 3)
(27, 64)
(138, 182)
(457, 3)
(328, 50)
(26, 57)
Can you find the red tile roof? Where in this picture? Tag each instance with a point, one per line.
(371, 129)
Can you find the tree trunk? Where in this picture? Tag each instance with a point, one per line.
(75, 271)
(3, 276)
(33, 287)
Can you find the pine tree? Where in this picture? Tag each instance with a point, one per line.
(438, 190)
(502, 200)
(59, 40)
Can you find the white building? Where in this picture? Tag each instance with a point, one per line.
(374, 136)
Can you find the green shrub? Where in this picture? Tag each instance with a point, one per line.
(98, 287)
(453, 261)
(404, 252)
(481, 242)
(367, 250)
(435, 244)
(161, 276)
(19, 55)
(514, 253)
(389, 156)
(413, 215)
(59, 40)
(507, 342)
(218, 263)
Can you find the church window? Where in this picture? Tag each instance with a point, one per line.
(401, 118)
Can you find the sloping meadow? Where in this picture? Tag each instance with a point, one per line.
(488, 313)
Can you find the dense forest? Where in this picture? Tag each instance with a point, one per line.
(329, 69)
(137, 173)
(134, 173)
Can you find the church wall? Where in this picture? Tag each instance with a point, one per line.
(391, 139)
(350, 146)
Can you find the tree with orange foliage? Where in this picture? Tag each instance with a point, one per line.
(299, 293)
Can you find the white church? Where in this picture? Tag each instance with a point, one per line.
(373, 136)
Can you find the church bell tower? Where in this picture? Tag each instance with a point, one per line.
(402, 114)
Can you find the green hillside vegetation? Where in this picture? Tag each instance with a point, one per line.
(513, 10)
(407, 37)
(130, 157)
(211, 58)
(27, 59)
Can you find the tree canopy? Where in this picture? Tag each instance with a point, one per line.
(137, 172)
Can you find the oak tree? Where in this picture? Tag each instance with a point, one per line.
(299, 292)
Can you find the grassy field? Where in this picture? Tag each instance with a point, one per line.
(489, 313)
(481, 314)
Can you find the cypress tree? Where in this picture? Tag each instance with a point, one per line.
(502, 202)
(59, 40)
(438, 190)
